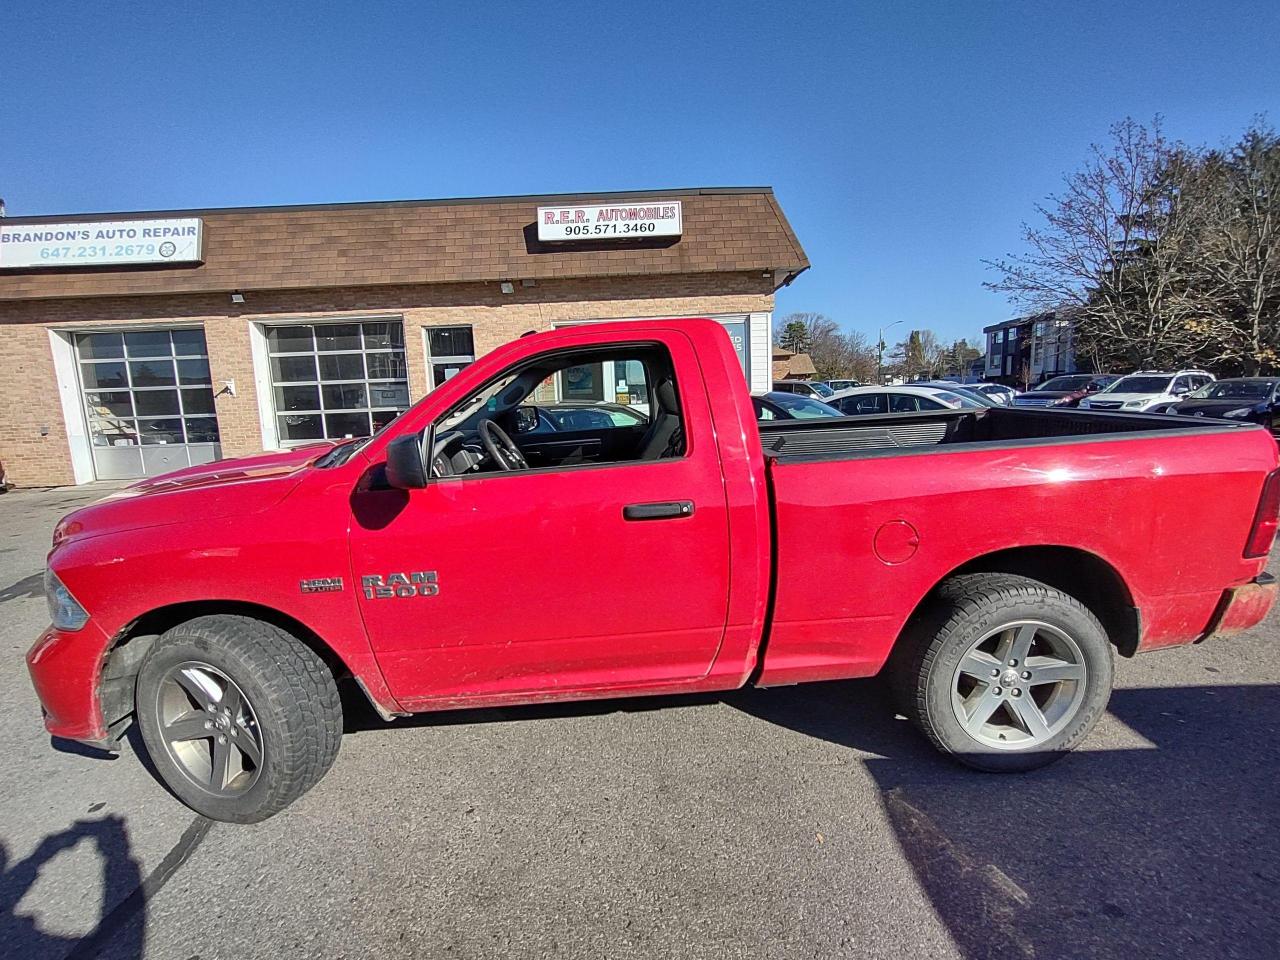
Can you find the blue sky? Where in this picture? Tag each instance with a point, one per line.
(906, 141)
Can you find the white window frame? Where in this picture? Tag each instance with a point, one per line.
(460, 358)
(259, 348)
(758, 328)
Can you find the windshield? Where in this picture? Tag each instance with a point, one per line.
(803, 408)
(346, 449)
(1139, 384)
(946, 396)
(975, 398)
(821, 389)
(1065, 384)
(1235, 390)
(474, 402)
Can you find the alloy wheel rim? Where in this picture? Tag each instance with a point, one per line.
(209, 729)
(1018, 685)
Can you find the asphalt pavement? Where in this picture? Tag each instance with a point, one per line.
(799, 822)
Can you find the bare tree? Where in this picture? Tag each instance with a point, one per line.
(1118, 243)
(1238, 193)
(836, 355)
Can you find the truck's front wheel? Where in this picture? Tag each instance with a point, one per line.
(239, 718)
(1003, 672)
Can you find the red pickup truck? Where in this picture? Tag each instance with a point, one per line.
(471, 555)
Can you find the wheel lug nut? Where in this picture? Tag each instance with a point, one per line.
(995, 673)
(1017, 692)
(222, 739)
(1026, 674)
(998, 691)
(208, 724)
(1013, 663)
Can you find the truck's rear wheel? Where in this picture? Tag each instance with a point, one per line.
(239, 718)
(1003, 672)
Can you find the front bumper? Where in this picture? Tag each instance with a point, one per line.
(64, 669)
(1243, 607)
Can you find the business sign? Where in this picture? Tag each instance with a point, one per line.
(737, 330)
(110, 243)
(610, 221)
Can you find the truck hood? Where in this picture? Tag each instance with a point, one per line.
(212, 491)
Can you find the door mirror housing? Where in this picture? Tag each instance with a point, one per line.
(406, 465)
(526, 419)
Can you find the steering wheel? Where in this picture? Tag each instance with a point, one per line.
(500, 447)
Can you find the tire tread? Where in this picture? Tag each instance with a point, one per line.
(300, 693)
(957, 600)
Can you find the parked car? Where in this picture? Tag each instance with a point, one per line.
(838, 385)
(571, 415)
(804, 388)
(1240, 398)
(964, 390)
(1066, 391)
(1147, 389)
(791, 406)
(996, 391)
(907, 398)
(445, 563)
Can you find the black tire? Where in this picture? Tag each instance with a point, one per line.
(292, 698)
(926, 667)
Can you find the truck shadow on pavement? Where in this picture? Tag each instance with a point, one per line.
(1171, 849)
(122, 926)
(1166, 847)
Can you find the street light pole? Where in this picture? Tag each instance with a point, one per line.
(880, 353)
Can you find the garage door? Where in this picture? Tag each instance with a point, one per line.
(148, 400)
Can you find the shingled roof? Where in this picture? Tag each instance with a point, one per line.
(726, 229)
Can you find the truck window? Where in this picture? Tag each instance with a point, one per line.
(568, 409)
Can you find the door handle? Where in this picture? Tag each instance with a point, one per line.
(671, 510)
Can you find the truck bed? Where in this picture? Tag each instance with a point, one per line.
(879, 509)
(883, 434)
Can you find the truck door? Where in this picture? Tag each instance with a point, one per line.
(609, 571)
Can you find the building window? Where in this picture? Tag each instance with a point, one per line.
(147, 387)
(449, 349)
(330, 381)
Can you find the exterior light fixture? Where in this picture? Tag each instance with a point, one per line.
(508, 286)
(528, 283)
(237, 297)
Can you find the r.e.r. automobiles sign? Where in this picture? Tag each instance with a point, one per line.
(610, 221)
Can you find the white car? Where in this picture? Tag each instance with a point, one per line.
(1147, 390)
(996, 391)
(904, 399)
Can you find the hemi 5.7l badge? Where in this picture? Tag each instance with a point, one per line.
(321, 585)
(400, 585)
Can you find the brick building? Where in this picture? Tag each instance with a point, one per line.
(136, 343)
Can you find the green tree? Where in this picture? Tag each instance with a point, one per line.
(794, 335)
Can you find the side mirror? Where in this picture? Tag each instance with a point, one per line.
(526, 419)
(406, 466)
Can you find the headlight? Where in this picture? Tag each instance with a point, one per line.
(65, 612)
(1059, 402)
(1242, 412)
(1131, 404)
